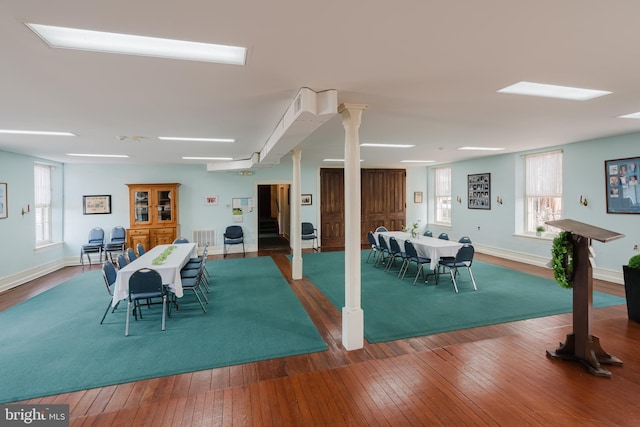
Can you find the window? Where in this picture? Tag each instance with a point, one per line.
(42, 203)
(543, 189)
(443, 195)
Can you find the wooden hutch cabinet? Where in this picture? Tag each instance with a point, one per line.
(153, 214)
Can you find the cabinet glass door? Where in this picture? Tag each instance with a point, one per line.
(165, 213)
(141, 200)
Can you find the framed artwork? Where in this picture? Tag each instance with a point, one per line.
(211, 200)
(417, 197)
(3, 200)
(306, 199)
(96, 205)
(479, 191)
(621, 183)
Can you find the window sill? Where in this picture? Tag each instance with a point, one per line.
(532, 236)
(46, 247)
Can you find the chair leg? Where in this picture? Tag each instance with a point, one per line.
(164, 309)
(126, 327)
(473, 280)
(199, 300)
(417, 274)
(453, 278)
(107, 310)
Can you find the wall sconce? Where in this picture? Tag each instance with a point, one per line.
(459, 199)
(499, 200)
(583, 201)
(27, 211)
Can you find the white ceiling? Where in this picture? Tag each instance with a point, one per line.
(428, 71)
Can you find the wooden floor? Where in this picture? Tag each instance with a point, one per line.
(494, 375)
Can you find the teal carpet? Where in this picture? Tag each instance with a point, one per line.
(53, 343)
(394, 309)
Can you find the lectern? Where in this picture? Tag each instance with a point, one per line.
(581, 345)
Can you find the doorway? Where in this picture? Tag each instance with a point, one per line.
(273, 215)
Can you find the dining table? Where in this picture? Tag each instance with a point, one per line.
(426, 247)
(168, 260)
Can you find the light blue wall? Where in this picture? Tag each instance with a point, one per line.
(17, 231)
(583, 174)
(195, 184)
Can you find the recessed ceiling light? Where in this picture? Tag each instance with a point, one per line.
(123, 156)
(180, 138)
(207, 158)
(481, 148)
(388, 145)
(553, 91)
(99, 41)
(35, 132)
(417, 161)
(630, 116)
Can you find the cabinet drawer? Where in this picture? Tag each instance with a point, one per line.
(138, 232)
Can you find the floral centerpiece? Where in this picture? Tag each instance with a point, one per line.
(413, 230)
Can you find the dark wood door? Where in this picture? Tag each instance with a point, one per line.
(383, 202)
(332, 207)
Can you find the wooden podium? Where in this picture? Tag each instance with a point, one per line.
(581, 345)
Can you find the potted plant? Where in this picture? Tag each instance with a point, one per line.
(632, 287)
(539, 230)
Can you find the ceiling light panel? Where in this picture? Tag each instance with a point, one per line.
(180, 138)
(98, 41)
(553, 91)
(631, 116)
(387, 145)
(120, 156)
(35, 132)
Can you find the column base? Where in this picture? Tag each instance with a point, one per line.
(352, 328)
(296, 267)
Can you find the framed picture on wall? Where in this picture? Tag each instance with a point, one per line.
(479, 191)
(306, 199)
(417, 197)
(96, 205)
(3, 200)
(621, 183)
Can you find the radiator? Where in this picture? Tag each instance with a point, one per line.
(201, 237)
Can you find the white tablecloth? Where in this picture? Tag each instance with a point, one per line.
(426, 247)
(169, 269)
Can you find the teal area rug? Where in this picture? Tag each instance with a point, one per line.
(53, 343)
(394, 309)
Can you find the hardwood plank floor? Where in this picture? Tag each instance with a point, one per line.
(493, 375)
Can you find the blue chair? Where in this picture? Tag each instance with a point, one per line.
(464, 239)
(121, 261)
(109, 275)
(443, 236)
(381, 229)
(116, 242)
(94, 245)
(375, 248)
(428, 233)
(194, 284)
(464, 258)
(385, 252)
(309, 233)
(145, 284)
(180, 240)
(233, 235)
(412, 256)
(131, 255)
(396, 252)
(140, 249)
